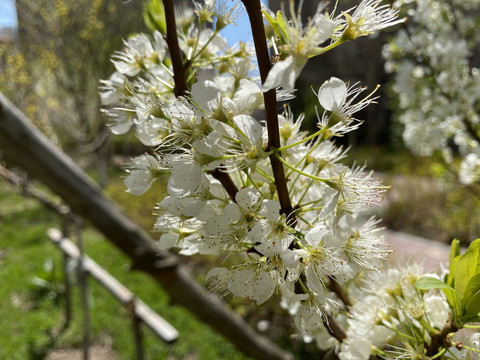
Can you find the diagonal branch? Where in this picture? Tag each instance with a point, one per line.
(270, 99)
(23, 144)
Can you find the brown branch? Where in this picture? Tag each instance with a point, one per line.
(22, 144)
(270, 99)
(334, 328)
(440, 340)
(226, 181)
(339, 291)
(181, 86)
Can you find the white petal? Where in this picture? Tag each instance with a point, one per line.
(251, 128)
(271, 210)
(121, 123)
(232, 212)
(167, 241)
(240, 284)
(138, 182)
(206, 94)
(284, 73)
(324, 27)
(332, 94)
(263, 286)
(247, 198)
(217, 226)
(150, 132)
(184, 180)
(248, 96)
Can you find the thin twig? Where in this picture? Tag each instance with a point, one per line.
(181, 86)
(270, 99)
(226, 181)
(441, 339)
(339, 291)
(334, 328)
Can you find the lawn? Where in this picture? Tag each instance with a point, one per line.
(33, 315)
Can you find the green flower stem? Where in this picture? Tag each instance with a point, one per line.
(439, 354)
(275, 153)
(379, 351)
(471, 349)
(427, 326)
(204, 46)
(303, 140)
(265, 175)
(303, 286)
(320, 50)
(398, 332)
(471, 326)
(304, 157)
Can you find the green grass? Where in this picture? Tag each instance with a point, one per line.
(32, 318)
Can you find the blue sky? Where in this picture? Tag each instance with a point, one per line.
(8, 14)
(241, 32)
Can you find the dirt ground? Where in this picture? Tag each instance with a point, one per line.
(96, 352)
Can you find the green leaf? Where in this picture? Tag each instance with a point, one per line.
(282, 27)
(154, 16)
(452, 260)
(429, 283)
(470, 304)
(466, 267)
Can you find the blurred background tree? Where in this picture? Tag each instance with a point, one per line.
(51, 68)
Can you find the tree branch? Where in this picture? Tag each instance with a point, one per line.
(334, 328)
(23, 144)
(440, 340)
(181, 86)
(339, 291)
(270, 99)
(226, 181)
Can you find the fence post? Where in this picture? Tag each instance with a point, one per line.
(137, 331)
(83, 284)
(66, 216)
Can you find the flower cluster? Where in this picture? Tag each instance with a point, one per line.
(434, 63)
(224, 175)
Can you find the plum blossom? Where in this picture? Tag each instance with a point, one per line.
(143, 170)
(303, 43)
(320, 253)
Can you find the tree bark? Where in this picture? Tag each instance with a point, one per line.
(24, 145)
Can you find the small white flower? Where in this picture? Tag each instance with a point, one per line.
(302, 43)
(436, 309)
(338, 99)
(142, 172)
(367, 18)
